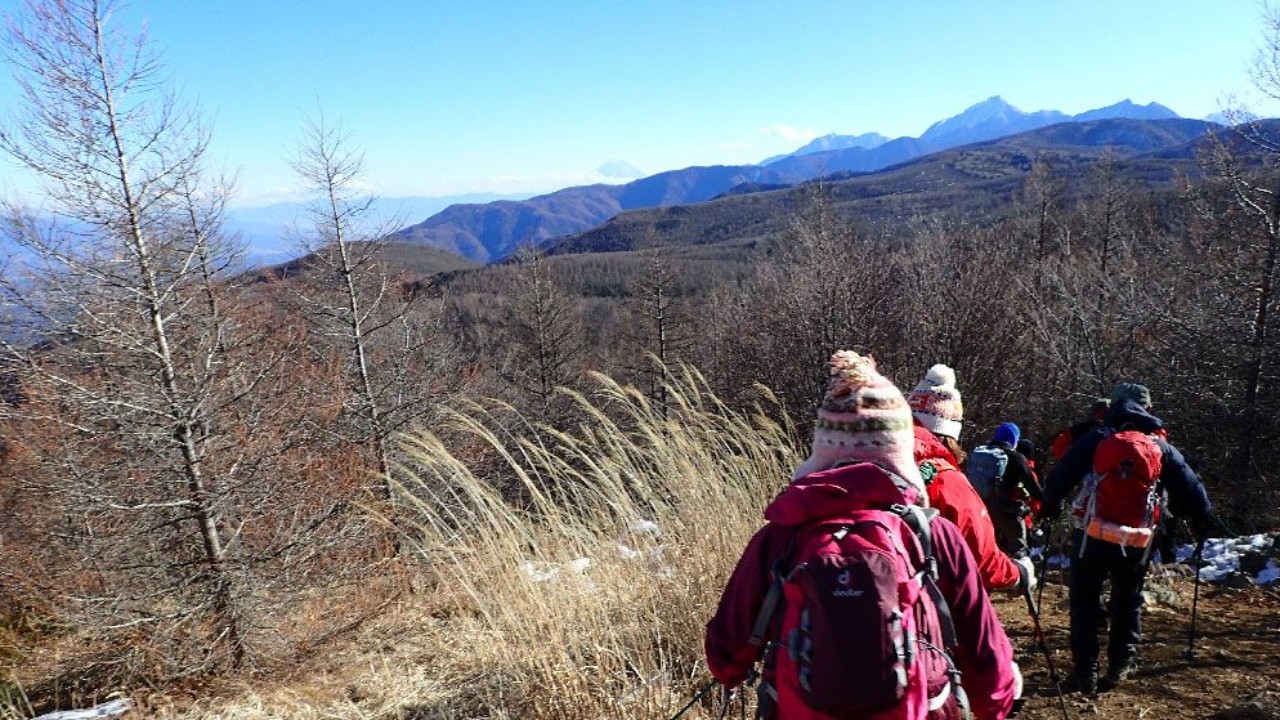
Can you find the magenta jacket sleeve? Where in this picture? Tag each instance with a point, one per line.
(983, 654)
(729, 652)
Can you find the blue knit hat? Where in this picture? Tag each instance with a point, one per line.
(1008, 434)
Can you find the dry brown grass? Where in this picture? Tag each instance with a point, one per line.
(548, 602)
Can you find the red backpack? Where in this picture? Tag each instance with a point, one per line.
(864, 630)
(1125, 506)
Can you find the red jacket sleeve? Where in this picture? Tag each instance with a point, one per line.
(983, 653)
(1060, 445)
(957, 501)
(729, 652)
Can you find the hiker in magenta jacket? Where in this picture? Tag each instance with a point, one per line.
(863, 442)
(936, 407)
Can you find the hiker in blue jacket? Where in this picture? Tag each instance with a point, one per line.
(1093, 559)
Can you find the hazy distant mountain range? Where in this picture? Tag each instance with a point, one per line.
(491, 231)
(990, 119)
(620, 169)
(269, 231)
(489, 227)
(835, 142)
(487, 232)
(974, 181)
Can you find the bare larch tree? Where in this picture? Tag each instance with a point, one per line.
(139, 375)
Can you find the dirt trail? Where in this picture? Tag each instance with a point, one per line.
(1235, 674)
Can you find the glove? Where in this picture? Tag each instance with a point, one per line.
(1026, 573)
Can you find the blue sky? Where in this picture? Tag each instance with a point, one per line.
(522, 97)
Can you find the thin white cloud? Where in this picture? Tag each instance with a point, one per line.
(287, 193)
(786, 132)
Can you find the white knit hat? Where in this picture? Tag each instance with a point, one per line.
(863, 417)
(935, 402)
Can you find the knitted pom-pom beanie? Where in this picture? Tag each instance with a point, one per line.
(935, 402)
(863, 417)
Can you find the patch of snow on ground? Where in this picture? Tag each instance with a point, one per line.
(643, 541)
(1221, 557)
(105, 710)
(544, 571)
(1269, 574)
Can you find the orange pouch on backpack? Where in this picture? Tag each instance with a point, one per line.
(1122, 535)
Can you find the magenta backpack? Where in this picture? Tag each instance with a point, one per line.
(864, 631)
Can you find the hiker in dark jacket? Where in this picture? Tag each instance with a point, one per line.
(1035, 500)
(1011, 503)
(1098, 559)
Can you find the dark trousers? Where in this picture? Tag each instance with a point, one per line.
(1127, 570)
(1011, 532)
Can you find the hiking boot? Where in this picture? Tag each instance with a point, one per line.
(1082, 681)
(1118, 673)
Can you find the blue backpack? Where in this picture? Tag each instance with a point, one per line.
(985, 470)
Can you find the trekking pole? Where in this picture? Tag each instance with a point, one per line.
(1222, 524)
(1190, 654)
(1044, 646)
(1049, 525)
(705, 689)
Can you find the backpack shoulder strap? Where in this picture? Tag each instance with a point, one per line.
(777, 574)
(920, 520)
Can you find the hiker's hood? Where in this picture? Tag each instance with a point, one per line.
(1130, 414)
(828, 493)
(930, 446)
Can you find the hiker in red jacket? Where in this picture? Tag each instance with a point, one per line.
(861, 465)
(1063, 440)
(938, 412)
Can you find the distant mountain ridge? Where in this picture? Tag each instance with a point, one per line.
(620, 169)
(833, 141)
(266, 230)
(490, 232)
(967, 181)
(988, 120)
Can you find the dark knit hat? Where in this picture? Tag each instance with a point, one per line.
(1131, 391)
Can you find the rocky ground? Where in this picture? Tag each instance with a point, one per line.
(1233, 675)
